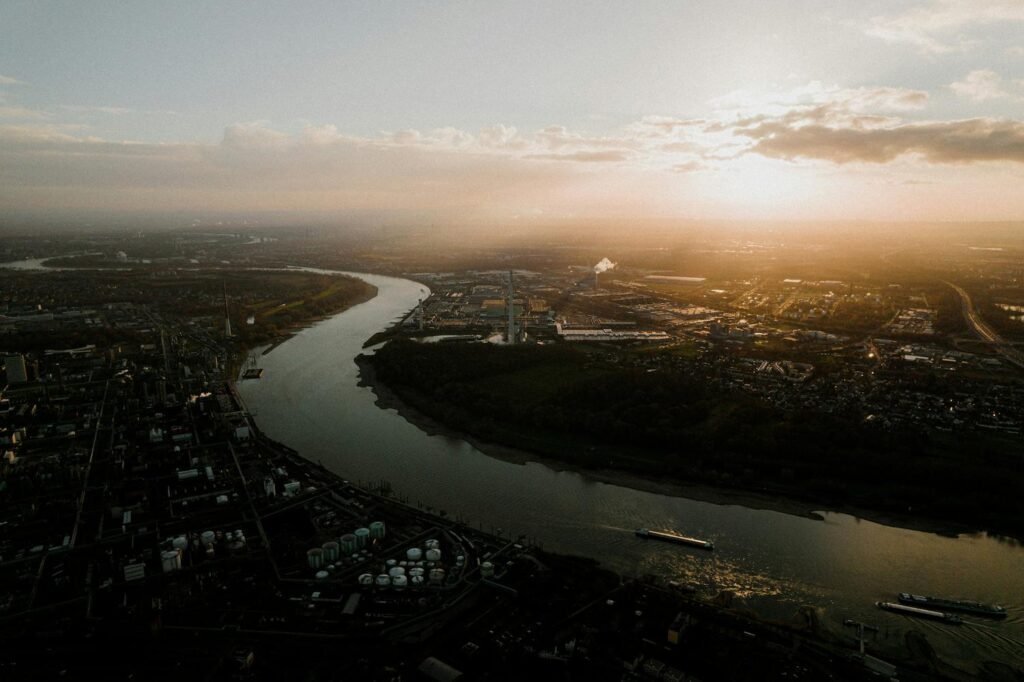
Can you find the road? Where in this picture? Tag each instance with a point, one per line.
(984, 331)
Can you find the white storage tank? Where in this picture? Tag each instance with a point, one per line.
(322, 575)
(487, 569)
(416, 580)
(180, 543)
(397, 570)
(170, 560)
(208, 537)
(366, 579)
(362, 537)
(383, 580)
(414, 554)
(433, 555)
(349, 544)
(432, 544)
(399, 581)
(416, 571)
(436, 576)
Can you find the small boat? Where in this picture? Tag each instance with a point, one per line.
(919, 612)
(674, 537)
(963, 605)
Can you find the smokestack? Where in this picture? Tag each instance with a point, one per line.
(603, 266)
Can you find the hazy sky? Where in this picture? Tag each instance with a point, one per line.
(500, 112)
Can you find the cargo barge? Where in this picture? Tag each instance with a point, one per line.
(962, 605)
(676, 538)
(919, 612)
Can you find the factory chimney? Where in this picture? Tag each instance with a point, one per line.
(603, 266)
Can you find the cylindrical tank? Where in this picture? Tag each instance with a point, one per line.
(416, 571)
(349, 544)
(414, 554)
(397, 570)
(315, 557)
(362, 537)
(399, 581)
(433, 555)
(383, 580)
(432, 544)
(391, 562)
(170, 560)
(180, 543)
(377, 530)
(460, 560)
(208, 537)
(487, 569)
(322, 575)
(330, 551)
(366, 579)
(436, 576)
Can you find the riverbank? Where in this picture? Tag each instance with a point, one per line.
(387, 398)
(368, 294)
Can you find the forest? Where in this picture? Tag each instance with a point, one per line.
(587, 410)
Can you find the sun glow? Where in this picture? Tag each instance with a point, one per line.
(762, 185)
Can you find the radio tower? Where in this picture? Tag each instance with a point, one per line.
(227, 316)
(511, 309)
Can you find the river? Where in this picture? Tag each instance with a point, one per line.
(775, 562)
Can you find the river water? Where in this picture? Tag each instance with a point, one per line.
(775, 562)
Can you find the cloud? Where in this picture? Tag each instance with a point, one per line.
(254, 167)
(81, 109)
(689, 167)
(980, 85)
(451, 174)
(777, 100)
(7, 80)
(254, 134)
(499, 136)
(956, 142)
(610, 156)
(22, 113)
(937, 27)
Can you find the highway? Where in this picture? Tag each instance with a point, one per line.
(986, 333)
